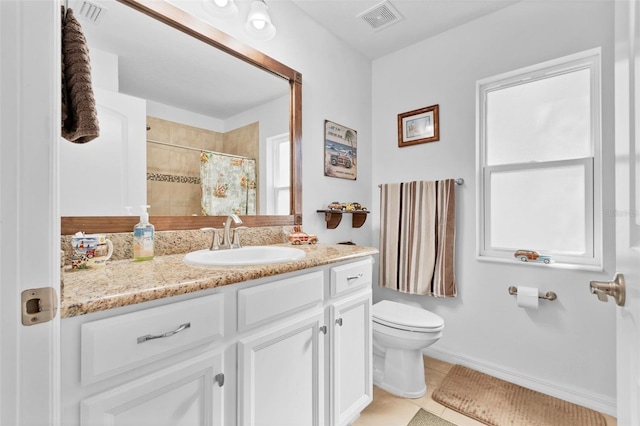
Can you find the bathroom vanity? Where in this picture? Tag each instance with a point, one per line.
(285, 344)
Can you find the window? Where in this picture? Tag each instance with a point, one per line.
(278, 175)
(539, 161)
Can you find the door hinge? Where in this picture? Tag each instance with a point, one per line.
(39, 305)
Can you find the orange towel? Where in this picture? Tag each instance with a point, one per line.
(79, 115)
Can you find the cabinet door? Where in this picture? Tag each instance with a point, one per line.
(280, 374)
(351, 374)
(185, 394)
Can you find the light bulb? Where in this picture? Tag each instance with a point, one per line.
(221, 8)
(258, 24)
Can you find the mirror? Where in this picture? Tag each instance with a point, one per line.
(192, 28)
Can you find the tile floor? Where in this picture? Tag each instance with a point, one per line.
(390, 410)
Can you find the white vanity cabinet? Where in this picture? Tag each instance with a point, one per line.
(281, 359)
(188, 393)
(351, 341)
(292, 349)
(315, 367)
(280, 373)
(136, 368)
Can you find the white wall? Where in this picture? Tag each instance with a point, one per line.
(566, 347)
(336, 86)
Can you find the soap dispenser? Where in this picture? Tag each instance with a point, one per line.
(143, 237)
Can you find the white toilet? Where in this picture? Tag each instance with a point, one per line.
(400, 333)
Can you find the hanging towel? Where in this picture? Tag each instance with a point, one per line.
(79, 115)
(417, 237)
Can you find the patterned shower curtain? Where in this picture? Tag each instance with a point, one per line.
(228, 184)
(417, 236)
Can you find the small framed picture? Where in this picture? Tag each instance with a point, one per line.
(418, 126)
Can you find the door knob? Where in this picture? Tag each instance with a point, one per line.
(615, 289)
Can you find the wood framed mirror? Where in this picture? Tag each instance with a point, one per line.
(174, 17)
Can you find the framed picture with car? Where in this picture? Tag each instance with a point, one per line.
(340, 151)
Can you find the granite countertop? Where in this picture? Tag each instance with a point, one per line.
(125, 282)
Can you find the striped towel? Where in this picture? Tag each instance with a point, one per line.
(417, 237)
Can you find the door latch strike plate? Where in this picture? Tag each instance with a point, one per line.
(39, 305)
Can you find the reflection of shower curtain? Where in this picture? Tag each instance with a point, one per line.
(228, 184)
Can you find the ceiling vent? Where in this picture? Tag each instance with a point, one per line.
(90, 11)
(380, 16)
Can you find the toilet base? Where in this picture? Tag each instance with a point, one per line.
(400, 372)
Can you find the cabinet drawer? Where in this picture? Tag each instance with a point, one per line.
(270, 301)
(352, 276)
(114, 345)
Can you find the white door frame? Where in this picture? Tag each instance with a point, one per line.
(29, 219)
(627, 86)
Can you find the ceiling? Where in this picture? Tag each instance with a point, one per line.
(163, 65)
(418, 20)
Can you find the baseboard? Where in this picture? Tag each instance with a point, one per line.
(594, 401)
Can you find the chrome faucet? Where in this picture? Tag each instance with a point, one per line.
(226, 235)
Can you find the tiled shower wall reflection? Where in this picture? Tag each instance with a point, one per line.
(173, 172)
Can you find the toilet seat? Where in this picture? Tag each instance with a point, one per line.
(405, 317)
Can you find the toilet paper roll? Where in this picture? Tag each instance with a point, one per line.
(528, 297)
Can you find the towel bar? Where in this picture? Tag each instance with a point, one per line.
(550, 295)
(458, 181)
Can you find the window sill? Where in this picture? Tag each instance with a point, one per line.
(552, 265)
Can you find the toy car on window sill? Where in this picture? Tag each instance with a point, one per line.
(531, 255)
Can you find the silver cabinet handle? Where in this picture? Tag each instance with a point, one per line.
(148, 337)
(219, 379)
(355, 277)
(323, 329)
(339, 322)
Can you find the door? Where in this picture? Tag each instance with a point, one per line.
(351, 353)
(627, 81)
(280, 374)
(29, 221)
(185, 394)
(117, 175)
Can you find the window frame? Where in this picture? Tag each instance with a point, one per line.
(273, 168)
(592, 258)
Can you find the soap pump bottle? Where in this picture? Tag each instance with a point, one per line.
(143, 237)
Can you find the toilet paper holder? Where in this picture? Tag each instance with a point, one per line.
(550, 295)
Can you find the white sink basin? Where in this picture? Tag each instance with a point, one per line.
(250, 255)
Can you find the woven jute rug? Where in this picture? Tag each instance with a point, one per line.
(425, 418)
(495, 402)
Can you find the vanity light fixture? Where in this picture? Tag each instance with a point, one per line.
(259, 24)
(222, 8)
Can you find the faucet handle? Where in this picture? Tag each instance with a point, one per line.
(215, 241)
(236, 236)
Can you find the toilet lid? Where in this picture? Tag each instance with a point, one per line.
(399, 315)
